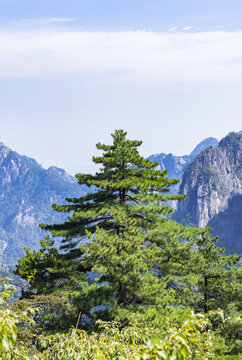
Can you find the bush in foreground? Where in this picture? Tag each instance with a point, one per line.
(192, 340)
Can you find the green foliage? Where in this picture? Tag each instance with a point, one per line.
(50, 314)
(47, 271)
(215, 280)
(10, 347)
(188, 342)
(131, 239)
(122, 258)
(127, 182)
(16, 281)
(191, 341)
(226, 346)
(8, 327)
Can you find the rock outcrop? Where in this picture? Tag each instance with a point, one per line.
(212, 182)
(176, 165)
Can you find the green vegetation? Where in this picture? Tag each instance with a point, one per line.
(131, 239)
(194, 339)
(215, 275)
(158, 290)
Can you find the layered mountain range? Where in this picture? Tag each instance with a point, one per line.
(211, 179)
(27, 191)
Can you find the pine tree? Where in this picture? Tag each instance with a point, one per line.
(48, 271)
(211, 280)
(135, 249)
(214, 278)
(127, 181)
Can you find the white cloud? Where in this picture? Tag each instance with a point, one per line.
(187, 28)
(44, 21)
(129, 54)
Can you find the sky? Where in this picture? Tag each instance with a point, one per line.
(169, 72)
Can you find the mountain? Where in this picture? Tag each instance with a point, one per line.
(228, 225)
(27, 191)
(211, 141)
(213, 185)
(176, 165)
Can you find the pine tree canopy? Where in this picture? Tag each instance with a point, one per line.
(135, 253)
(126, 183)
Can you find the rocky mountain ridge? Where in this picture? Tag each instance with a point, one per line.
(176, 165)
(27, 191)
(213, 185)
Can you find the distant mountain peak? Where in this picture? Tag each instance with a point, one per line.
(27, 191)
(54, 170)
(211, 141)
(32, 161)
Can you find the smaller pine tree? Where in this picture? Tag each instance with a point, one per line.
(214, 278)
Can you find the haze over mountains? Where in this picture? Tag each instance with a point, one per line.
(27, 191)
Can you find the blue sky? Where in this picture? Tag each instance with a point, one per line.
(167, 71)
(128, 14)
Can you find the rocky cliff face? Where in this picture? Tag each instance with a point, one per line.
(211, 182)
(27, 191)
(176, 165)
(228, 225)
